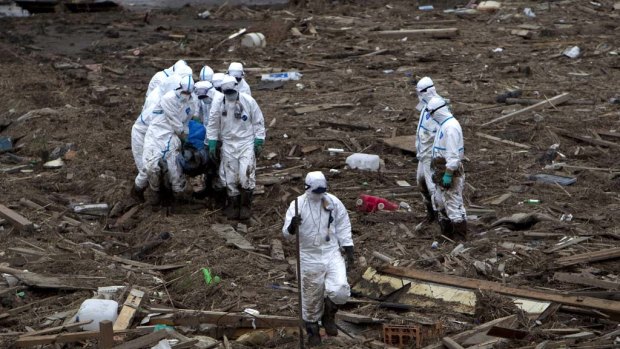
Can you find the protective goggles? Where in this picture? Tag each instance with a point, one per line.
(425, 89)
(436, 109)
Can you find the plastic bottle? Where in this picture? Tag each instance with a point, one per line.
(97, 310)
(369, 203)
(285, 76)
(362, 161)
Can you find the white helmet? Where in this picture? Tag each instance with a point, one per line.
(217, 80)
(228, 83)
(206, 73)
(202, 89)
(235, 69)
(316, 182)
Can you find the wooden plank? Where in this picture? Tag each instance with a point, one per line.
(56, 329)
(361, 127)
(18, 221)
(437, 33)
(29, 341)
(233, 238)
(451, 343)
(60, 282)
(587, 257)
(130, 307)
(196, 317)
(125, 217)
(138, 264)
(106, 335)
(587, 280)
(500, 200)
(144, 341)
(480, 328)
(594, 141)
(572, 241)
(500, 140)
(319, 107)
(358, 319)
(559, 99)
(406, 143)
(456, 281)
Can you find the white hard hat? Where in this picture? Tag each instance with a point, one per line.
(203, 88)
(228, 83)
(217, 79)
(424, 84)
(235, 69)
(316, 182)
(206, 73)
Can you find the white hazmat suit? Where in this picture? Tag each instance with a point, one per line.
(449, 145)
(237, 123)
(425, 136)
(162, 142)
(323, 271)
(179, 68)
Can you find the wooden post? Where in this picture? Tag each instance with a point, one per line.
(106, 334)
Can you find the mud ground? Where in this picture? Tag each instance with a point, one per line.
(93, 70)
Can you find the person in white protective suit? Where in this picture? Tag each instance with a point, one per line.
(217, 80)
(140, 126)
(448, 171)
(425, 136)
(206, 94)
(324, 227)
(206, 74)
(179, 68)
(162, 143)
(235, 69)
(238, 122)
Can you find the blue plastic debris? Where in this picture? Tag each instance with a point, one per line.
(552, 179)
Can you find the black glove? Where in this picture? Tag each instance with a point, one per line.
(350, 258)
(295, 222)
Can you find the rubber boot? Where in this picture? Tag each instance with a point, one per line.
(329, 317)
(219, 197)
(232, 207)
(137, 193)
(245, 211)
(431, 214)
(446, 226)
(460, 229)
(314, 336)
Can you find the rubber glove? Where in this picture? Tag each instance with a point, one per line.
(212, 144)
(446, 181)
(295, 222)
(258, 146)
(348, 251)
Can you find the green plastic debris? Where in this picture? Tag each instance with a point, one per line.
(21, 294)
(210, 279)
(161, 327)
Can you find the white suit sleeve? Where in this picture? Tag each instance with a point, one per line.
(342, 224)
(215, 115)
(454, 143)
(290, 213)
(258, 122)
(172, 111)
(245, 87)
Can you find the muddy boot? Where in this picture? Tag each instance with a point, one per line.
(446, 226)
(137, 193)
(431, 214)
(314, 336)
(460, 230)
(329, 317)
(232, 207)
(245, 211)
(219, 198)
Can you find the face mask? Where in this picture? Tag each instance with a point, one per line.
(230, 94)
(238, 79)
(314, 196)
(184, 97)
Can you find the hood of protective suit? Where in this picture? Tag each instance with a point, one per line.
(179, 64)
(218, 79)
(183, 71)
(425, 89)
(439, 110)
(235, 69)
(316, 185)
(228, 88)
(206, 73)
(204, 89)
(185, 88)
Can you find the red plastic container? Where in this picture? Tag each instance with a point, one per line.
(369, 203)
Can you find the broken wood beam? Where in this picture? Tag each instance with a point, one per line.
(587, 257)
(456, 281)
(30, 341)
(572, 241)
(362, 127)
(130, 307)
(586, 280)
(18, 221)
(195, 317)
(63, 282)
(437, 33)
(450, 343)
(106, 335)
(277, 252)
(56, 329)
(593, 141)
(508, 333)
(505, 321)
(559, 99)
(500, 140)
(140, 265)
(145, 341)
